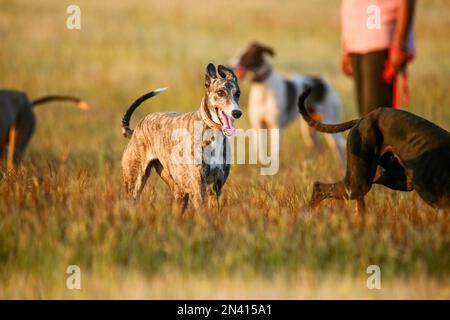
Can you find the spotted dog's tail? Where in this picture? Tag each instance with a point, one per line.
(126, 130)
(319, 126)
(81, 103)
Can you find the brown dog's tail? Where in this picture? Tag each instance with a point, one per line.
(81, 103)
(126, 130)
(319, 126)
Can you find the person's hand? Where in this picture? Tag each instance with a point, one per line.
(396, 63)
(346, 64)
(398, 60)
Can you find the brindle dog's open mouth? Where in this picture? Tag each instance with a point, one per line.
(226, 122)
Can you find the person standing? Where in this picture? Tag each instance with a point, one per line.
(378, 43)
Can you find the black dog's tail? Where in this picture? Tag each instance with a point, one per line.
(126, 130)
(81, 103)
(319, 126)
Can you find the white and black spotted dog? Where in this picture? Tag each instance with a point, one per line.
(272, 97)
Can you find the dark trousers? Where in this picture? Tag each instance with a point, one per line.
(371, 90)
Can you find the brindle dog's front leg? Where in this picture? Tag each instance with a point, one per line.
(181, 202)
(199, 200)
(199, 195)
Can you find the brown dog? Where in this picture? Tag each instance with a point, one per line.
(17, 122)
(394, 148)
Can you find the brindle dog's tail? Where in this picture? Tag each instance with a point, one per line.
(126, 130)
(319, 126)
(81, 103)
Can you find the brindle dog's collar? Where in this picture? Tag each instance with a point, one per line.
(206, 116)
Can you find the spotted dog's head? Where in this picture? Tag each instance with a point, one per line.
(252, 59)
(222, 97)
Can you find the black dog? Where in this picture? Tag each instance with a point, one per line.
(394, 148)
(17, 122)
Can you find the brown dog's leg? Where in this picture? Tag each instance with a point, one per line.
(10, 164)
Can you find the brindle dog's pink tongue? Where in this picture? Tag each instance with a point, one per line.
(227, 124)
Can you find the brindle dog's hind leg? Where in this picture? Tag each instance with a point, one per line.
(141, 180)
(134, 174)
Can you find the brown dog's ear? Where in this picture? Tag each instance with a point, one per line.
(226, 73)
(263, 48)
(210, 74)
(268, 50)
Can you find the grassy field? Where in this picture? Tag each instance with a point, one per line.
(66, 205)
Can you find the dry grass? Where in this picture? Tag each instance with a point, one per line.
(65, 205)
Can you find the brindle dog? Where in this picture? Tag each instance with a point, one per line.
(152, 143)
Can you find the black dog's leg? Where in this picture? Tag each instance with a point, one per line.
(323, 191)
(391, 173)
(363, 146)
(336, 190)
(395, 179)
(25, 125)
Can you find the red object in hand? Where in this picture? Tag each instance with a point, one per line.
(389, 76)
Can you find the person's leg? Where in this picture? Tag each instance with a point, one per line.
(376, 92)
(357, 78)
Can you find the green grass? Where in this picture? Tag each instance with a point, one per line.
(66, 205)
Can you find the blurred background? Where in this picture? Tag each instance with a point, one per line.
(67, 204)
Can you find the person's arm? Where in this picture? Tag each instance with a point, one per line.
(405, 18)
(346, 59)
(346, 64)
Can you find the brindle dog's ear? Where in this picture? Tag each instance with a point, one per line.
(226, 73)
(210, 74)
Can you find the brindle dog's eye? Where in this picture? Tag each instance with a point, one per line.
(221, 93)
